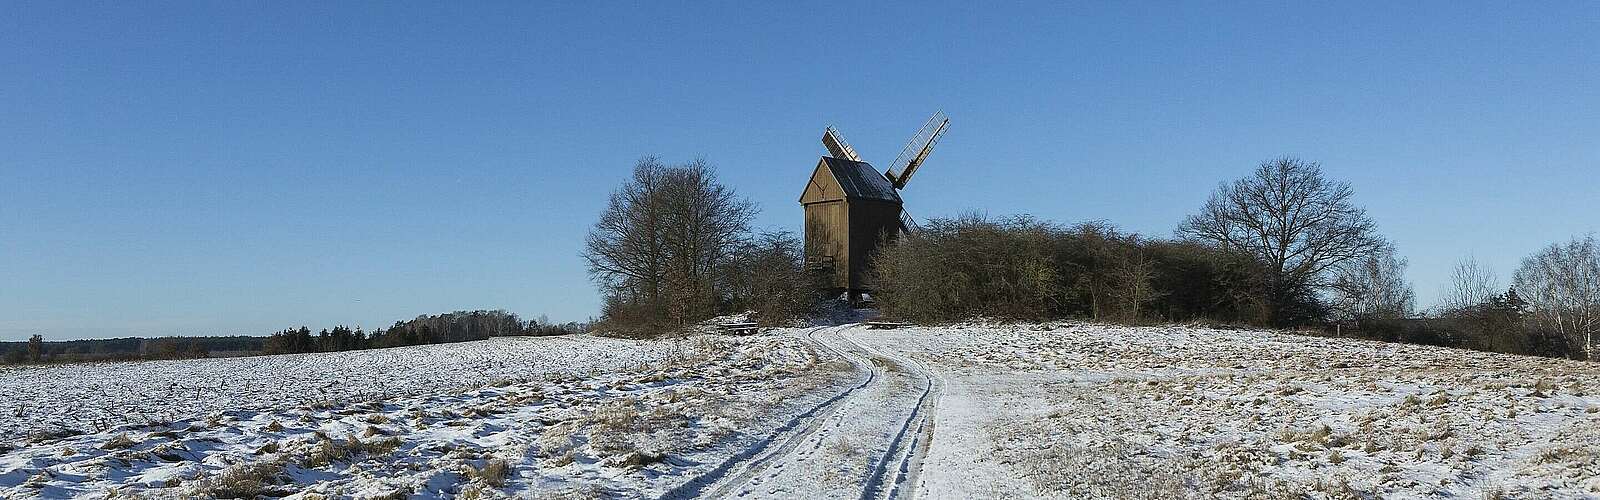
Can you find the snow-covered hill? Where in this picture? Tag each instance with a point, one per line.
(1063, 410)
(1086, 411)
(572, 416)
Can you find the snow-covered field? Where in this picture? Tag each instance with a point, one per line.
(1063, 410)
(1096, 411)
(90, 396)
(565, 417)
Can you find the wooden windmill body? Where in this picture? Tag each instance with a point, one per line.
(851, 207)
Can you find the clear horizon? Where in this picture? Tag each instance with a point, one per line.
(233, 169)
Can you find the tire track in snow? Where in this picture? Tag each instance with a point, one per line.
(775, 461)
(906, 456)
(739, 469)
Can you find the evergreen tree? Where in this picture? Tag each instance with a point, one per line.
(302, 340)
(1512, 304)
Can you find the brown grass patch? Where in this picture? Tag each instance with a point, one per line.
(119, 442)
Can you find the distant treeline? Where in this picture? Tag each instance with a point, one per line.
(456, 326)
(459, 326)
(1550, 308)
(126, 349)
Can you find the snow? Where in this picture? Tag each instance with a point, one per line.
(1097, 411)
(77, 397)
(864, 444)
(980, 410)
(565, 416)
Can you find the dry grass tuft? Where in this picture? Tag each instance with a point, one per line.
(471, 491)
(376, 446)
(119, 442)
(327, 451)
(638, 459)
(271, 447)
(557, 440)
(844, 447)
(162, 434)
(493, 472)
(1543, 387)
(1313, 438)
(243, 481)
(396, 494)
(1339, 488)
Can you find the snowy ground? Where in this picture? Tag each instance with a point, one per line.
(86, 397)
(973, 411)
(528, 417)
(1095, 411)
(867, 442)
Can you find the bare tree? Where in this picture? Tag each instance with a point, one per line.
(1561, 284)
(1374, 287)
(36, 347)
(706, 222)
(625, 249)
(1298, 223)
(1132, 274)
(656, 248)
(1471, 284)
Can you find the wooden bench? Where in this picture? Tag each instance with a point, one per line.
(740, 328)
(884, 325)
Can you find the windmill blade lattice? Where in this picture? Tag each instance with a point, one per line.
(917, 150)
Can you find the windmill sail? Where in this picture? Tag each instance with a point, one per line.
(908, 224)
(837, 147)
(917, 150)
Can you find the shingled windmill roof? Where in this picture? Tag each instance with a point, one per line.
(859, 180)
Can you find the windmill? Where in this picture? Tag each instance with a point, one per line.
(851, 207)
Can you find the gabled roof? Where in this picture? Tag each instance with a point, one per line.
(860, 181)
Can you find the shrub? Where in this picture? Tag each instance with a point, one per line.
(1019, 268)
(1426, 332)
(958, 268)
(767, 275)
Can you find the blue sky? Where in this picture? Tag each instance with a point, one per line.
(233, 167)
